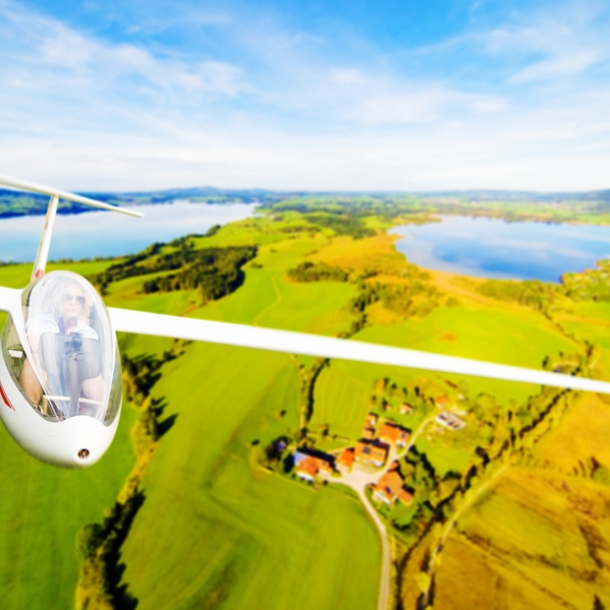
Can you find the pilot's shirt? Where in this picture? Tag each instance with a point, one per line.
(48, 324)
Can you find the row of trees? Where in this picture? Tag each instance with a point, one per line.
(318, 272)
(214, 271)
(99, 545)
(414, 298)
(590, 285)
(532, 293)
(345, 223)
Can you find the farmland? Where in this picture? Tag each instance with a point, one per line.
(225, 532)
(219, 529)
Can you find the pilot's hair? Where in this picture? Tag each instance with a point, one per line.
(55, 292)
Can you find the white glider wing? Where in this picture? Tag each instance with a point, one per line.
(9, 298)
(315, 345)
(33, 187)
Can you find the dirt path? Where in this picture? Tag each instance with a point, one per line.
(441, 543)
(415, 436)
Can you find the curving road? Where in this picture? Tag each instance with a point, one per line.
(358, 479)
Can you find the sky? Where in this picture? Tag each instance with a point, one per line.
(345, 95)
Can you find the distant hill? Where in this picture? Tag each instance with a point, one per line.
(530, 196)
(15, 203)
(207, 194)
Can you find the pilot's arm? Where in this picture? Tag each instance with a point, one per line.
(28, 379)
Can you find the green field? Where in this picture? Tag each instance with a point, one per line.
(344, 389)
(214, 514)
(217, 530)
(41, 511)
(43, 508)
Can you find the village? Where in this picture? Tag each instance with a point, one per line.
(372, 465)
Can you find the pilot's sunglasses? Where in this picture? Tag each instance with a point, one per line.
(70, 297)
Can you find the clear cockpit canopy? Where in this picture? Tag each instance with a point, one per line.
(65, 360)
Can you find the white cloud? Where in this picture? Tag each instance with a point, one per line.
(58, 54)
(349, 76)
(556, 43)
(562, 65)
(89, 113)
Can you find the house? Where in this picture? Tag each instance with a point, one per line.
(369, 426)
(391, 488)
(372, 452)
(443, 402)
(450, 420)
(371, 420)
(346, 459)
(368, 432)
(310, 463)
(307, 469)
(406, 408)
(394, 434)
(405, 496)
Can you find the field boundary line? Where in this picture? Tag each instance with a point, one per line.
(278, 299)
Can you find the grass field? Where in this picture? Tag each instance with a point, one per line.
(215, 531)
(218, 531)
(344, 389)
(445, 456)
(268, 299)
(231, 533)
(591, 321)
(255, 524)
(41, 511)
(522, 540)
(583, 433)
(43, 508)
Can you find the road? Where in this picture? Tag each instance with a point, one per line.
(358, 479)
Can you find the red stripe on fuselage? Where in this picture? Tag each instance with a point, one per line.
(5, 398)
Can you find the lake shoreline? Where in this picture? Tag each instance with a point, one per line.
(492, 248)
(92, 234)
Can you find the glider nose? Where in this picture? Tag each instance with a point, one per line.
(85, 449)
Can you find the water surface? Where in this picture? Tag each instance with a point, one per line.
(492, 248)
(110, 234)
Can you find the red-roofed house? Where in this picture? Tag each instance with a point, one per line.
(308, 466)
(391, 488)
(371, 452)
(325, 466)
(369, 426)
(394, 434)
(346, 459)
(442, 402)
(405, 496)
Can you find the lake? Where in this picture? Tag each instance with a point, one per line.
(109, 234)
(480, 247)
(492, 248)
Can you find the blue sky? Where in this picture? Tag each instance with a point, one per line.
(306, 95)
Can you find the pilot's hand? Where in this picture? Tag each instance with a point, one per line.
(70, 325)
